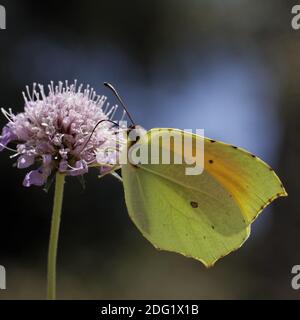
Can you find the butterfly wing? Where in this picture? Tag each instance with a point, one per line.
(252, 183)
(203, 216)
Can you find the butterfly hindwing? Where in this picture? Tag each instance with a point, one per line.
(203, 216)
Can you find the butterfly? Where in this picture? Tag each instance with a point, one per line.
(204, 216)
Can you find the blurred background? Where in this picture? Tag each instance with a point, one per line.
(231, 68)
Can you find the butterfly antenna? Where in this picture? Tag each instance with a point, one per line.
(96, 126)
(108, 85)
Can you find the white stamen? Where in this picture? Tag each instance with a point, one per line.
(14, 155)
(114, 112)
(28, 93)
(7, 115)
(10, 149)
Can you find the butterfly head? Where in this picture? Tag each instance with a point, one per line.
(140, 131)
(134, 134)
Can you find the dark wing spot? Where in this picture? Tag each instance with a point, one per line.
(234, 147)
(253, 156)
(212, 141)
(194, 204)
(213, 227)
(271, 169)
(211, 161)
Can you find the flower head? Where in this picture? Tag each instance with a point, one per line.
(60, 132)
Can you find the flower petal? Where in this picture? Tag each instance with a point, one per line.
(25, 161)
(6, 137)
(36, 177)
(80, 168)
(63, 166)
(47, 158)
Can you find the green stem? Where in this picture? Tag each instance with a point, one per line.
(52, 252)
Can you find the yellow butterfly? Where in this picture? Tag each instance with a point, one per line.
(203, 216)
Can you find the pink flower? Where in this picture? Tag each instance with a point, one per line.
(58, 131)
